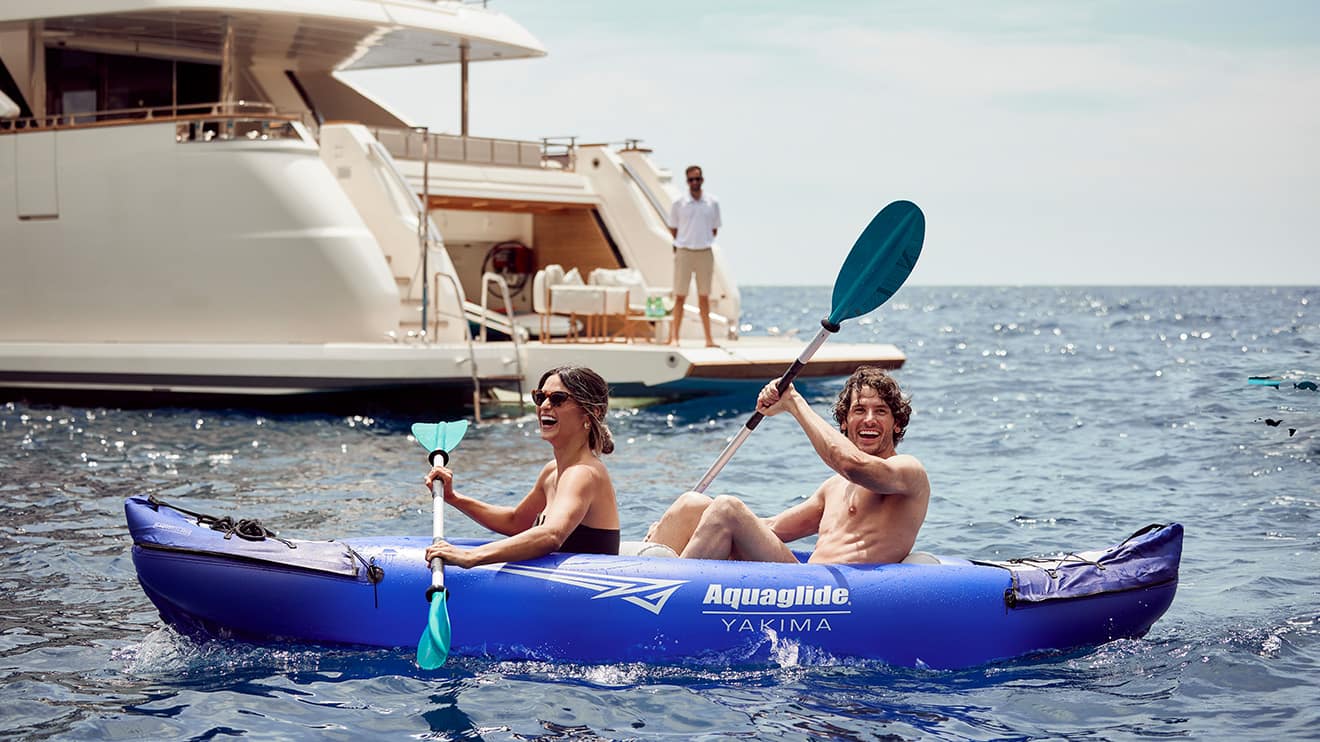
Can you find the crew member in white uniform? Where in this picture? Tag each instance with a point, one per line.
(694, 220)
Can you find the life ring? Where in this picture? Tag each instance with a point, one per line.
(511, 260)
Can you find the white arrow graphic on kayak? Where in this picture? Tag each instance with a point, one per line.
(647, 593)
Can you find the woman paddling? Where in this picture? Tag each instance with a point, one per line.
(571, 507)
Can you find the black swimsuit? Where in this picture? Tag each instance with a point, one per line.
(588, 540)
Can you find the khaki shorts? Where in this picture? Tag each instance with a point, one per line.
(689, 262)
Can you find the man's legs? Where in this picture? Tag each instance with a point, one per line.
(683, 271)
(703, 303)
(729, 529)
(704, 266)
(675, 527)
(676, 321)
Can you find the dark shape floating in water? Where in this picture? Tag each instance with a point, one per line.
(1276, 423)
(1279, 383)
(944, 613)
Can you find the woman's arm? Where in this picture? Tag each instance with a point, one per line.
(573, 497)
(501, 519)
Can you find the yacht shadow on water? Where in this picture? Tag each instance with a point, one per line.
(391, 409)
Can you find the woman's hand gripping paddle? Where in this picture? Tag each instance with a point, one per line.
(433, 648)
(880, 261)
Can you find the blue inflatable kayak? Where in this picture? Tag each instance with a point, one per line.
(214, 577)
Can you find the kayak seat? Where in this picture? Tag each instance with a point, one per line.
(920, 557)
(645, 549)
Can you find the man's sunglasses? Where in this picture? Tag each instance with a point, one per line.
(556, 398)
(695, 180)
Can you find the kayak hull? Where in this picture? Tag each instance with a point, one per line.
(606, 609)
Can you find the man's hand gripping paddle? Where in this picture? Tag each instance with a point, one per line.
(433, 648)
(880, 261)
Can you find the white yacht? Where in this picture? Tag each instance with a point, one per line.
(193, 203)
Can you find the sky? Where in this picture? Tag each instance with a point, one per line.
(1110, 142)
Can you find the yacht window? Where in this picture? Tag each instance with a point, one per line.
(78, 101)
(80, 82)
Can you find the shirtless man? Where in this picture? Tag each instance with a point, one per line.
(867, 513)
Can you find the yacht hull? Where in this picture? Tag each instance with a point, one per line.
(317, 375)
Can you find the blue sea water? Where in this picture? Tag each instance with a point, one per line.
(1050, 419)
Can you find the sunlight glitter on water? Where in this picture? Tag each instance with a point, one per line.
(1060, 450)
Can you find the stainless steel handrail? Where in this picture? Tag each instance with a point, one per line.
(646, 191)
(423, 219)
(488, 278)
(515, 332)
(467, 336)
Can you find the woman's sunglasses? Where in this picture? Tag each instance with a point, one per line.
(556, 398)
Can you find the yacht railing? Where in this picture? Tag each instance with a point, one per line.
(558, 153)
(413, 144)
(560, 150)
(197, 122)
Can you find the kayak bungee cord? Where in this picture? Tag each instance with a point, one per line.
(248, 529)
(252, 529)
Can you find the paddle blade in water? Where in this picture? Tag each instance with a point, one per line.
(439, 436)
(880, 261)
(433, 647)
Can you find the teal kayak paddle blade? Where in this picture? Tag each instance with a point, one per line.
(433, 646)
(880, 261)
(440, 436)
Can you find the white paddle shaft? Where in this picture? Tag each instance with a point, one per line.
(756, 418)
(437, 531)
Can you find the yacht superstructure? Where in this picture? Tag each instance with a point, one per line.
(191, 202)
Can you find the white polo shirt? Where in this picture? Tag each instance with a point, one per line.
(696, 220)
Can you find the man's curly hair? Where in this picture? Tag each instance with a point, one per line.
(899, 405)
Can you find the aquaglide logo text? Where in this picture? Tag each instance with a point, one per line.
(770, 597)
